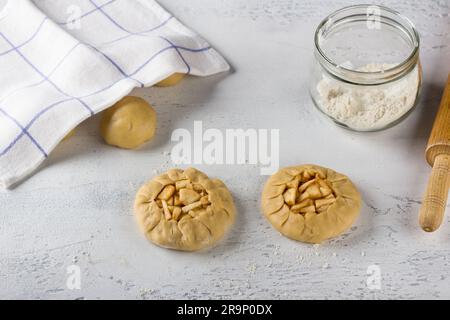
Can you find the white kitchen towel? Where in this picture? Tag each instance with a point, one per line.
(62, 61)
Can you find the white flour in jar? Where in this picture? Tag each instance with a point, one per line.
(369, 107)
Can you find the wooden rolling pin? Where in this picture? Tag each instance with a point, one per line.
(438, 156)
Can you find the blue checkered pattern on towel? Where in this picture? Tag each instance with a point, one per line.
(62, 61)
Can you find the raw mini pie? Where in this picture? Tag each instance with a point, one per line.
(184, 210)
(310, 203)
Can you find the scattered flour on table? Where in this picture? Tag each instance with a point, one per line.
(369, 107)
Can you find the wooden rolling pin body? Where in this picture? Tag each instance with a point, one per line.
(438, 156)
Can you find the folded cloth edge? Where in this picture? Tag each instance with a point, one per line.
(10, 179)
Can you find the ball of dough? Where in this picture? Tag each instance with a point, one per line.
(70, 134)
(184, 210)
(129, 123)
(310, 203)
(173, 80)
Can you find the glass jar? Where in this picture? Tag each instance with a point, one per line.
(367, 74)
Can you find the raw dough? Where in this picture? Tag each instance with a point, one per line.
(310, 203)
(184, 210)
(129, 123)
(173, 80)
(70, 135)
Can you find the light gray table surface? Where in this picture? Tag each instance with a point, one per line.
(77, 209)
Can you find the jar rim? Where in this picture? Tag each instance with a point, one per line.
(372, 77)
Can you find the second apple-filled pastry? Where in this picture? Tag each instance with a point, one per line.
(310, 203)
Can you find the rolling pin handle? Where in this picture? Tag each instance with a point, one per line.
(435, 200)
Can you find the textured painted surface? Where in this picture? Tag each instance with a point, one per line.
(77, 208)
